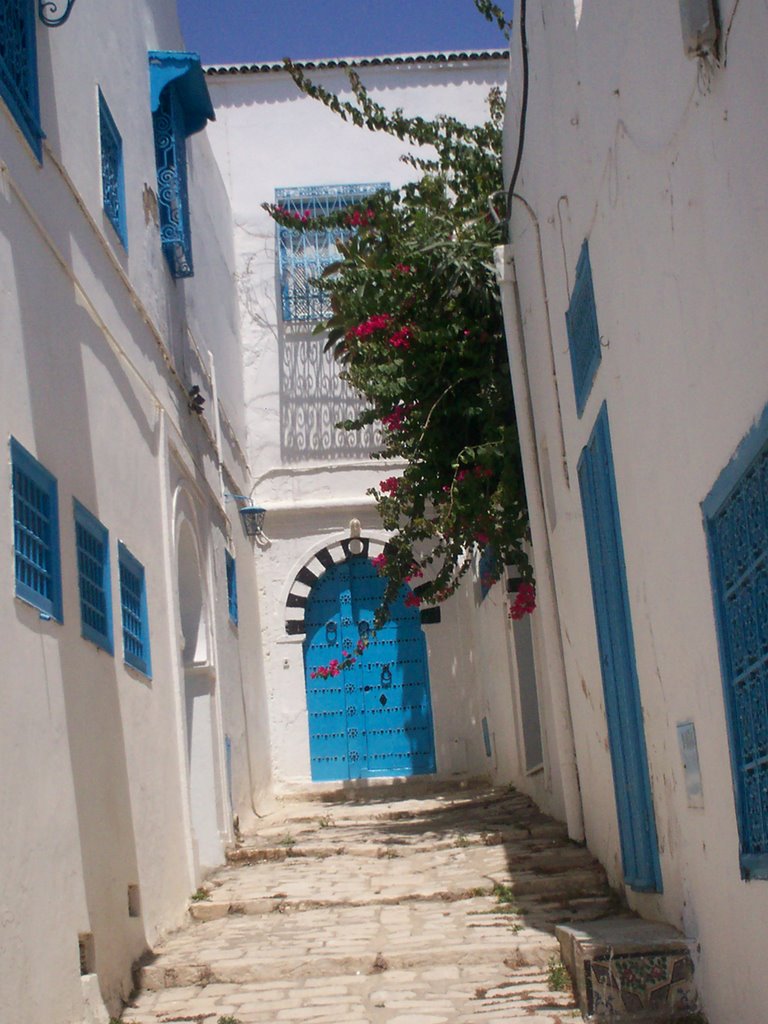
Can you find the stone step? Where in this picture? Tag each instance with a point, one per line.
(343, 940)
(445, 994)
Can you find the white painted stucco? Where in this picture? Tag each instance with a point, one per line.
(268, 135)
(660, 163)
(99, 348)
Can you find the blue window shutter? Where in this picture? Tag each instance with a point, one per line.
(112, 171)
(583, 333)
(92, 546)
(304, 255)
(18, 68)
(488, 570)
(133, 607)
(736, 521)
(180, 106)
(37, 557)
(231, 587)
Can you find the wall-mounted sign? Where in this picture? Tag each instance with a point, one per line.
(689, 752)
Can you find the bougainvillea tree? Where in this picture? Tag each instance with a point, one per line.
(416, 326)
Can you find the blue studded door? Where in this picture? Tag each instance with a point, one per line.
(374, 718)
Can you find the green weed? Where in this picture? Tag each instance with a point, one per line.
(558, 979)
(200, 894)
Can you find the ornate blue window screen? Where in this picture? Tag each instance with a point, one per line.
(583, 333)
(112, 173)
(18, 68)
(488, 570)
(304, 255)
(133, 606)
(35, 533)
(180, 107)
(736, 517)
(92, 546)
(231, 588)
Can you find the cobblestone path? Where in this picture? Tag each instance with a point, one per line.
(431, 910)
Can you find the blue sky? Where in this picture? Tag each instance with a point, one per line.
(242, 31)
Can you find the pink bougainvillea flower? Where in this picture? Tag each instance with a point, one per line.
(379, 322)
(379, 562)
(360, 646)
(390, 485)
(481, 538)
(402, 338)
(412, 600)
(525, 601)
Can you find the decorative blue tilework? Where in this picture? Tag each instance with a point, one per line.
(35, 533)
(736, 518)
(18, 68)
(112, 172)
(92, 545)
(133, 605)
(304, 255)
(583, 333)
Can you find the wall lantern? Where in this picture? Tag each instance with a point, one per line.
(252, 517)
(355, 539)
(54, 12)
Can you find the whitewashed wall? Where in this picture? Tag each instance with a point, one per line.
(98, 350)
(267, 135)
(663, 169)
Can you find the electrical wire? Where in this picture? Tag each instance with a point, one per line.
(523, 111)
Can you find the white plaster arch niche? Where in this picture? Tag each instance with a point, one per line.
(198, 675)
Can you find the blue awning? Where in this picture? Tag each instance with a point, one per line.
(184, 70)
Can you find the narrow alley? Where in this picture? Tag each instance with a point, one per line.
(436, 907)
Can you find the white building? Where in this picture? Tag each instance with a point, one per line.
(275, 144)
(123, 677)
(635, 305)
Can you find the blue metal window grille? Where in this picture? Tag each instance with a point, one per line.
(18, 68)
(231, 588)
(583, 333)
(92, 545)
(172, 197)
(133, 607)
(304, 255)
(112, 173)
(736, 519)
(36, 533)
(180, 106)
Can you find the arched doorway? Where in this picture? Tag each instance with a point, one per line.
(374, 718)
(199, 709)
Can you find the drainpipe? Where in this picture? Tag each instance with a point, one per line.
(545, 582)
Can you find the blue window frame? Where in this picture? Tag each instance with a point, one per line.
(736, 521)
(92, 546)
(18, 68)
(231, 588)
(36, 533)
(487, 570)
(583, 333)
(180, 107)
(133, 606)
(112, 172)
(304, 255)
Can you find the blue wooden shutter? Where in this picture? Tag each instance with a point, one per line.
(583, 333)
(35, 533)
(626, 734)
(18, 68)
(133, 607)
(92, 545)
(736, 518)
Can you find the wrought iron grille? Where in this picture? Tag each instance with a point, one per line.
(112, 180)
(583, 333)
(92, 544)
(35, 533)
(134, 611)
(18, 67)
(739, 538)
(313, 399)
(304, 255)
(172, 197)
